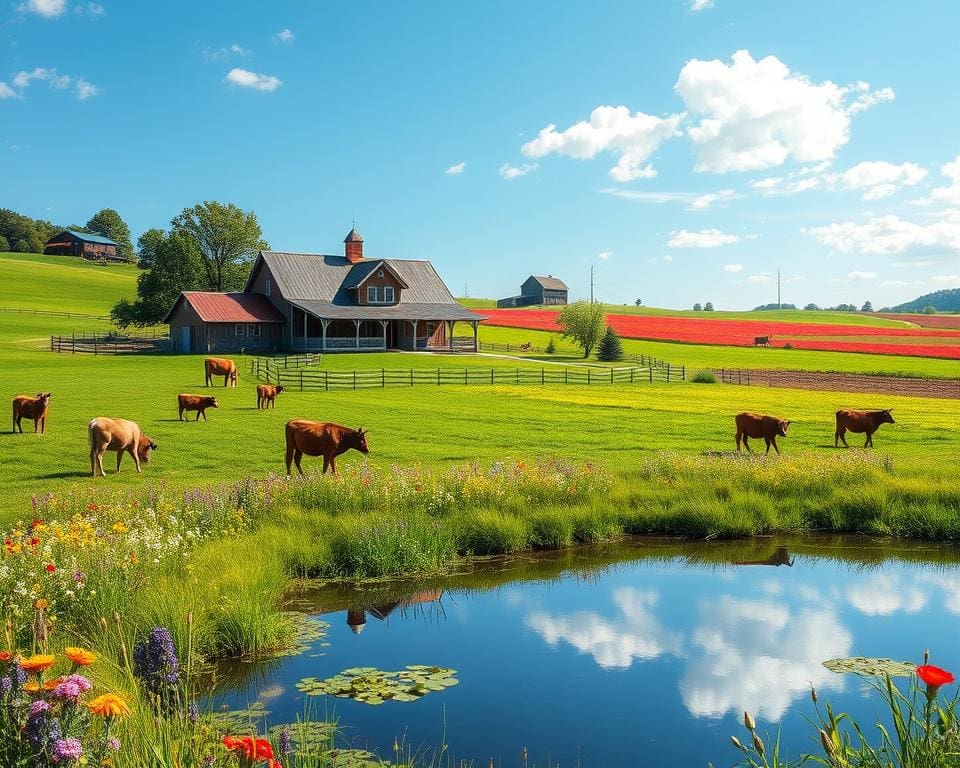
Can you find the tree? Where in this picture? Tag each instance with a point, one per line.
(639, 302)
(584, 323)
(226, 238)
(708, 307)
(147, 246)
(4, 245)
(610, 348)
(697, 307)
(929, 310)
(867, 307)
(811, 307)
(107, 223)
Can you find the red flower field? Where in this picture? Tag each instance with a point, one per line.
(924, 342)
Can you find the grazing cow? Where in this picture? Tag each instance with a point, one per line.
(26, 407)
(267, 395)
(757, 426)
(198, 403)
(218, 366)
(118, 435)
(313, 438)
(860, 421)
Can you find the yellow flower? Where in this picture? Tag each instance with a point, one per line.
(80, 656)
(109, 705)
(119, 527)
(41, 604)
(37, 664)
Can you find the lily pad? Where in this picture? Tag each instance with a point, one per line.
(861, 665)
(307, 630)
(372, 686)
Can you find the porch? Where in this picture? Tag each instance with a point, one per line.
(315, 334)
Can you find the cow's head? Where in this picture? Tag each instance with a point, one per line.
(782, 427)
(356, 440)
(279, 388)
(143, 449)
(886, 417)
(212, 402)
(43, 398)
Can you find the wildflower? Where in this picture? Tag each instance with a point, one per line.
(284, 745)
(80, 656)
(41, 605)
(113, 744)
(250, 747)
(109, 705)
(38, 707)
(67, 749)
(72, 687)
(5, 656)
(50, 567)
(37, 664)
(934, 677)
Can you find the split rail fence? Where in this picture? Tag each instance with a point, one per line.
(110, 343)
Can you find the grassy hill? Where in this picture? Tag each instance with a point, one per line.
(947, 300)
(63, 283)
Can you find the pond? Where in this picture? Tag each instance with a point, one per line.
(641, 653)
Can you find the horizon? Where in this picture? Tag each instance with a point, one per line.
(733, 140)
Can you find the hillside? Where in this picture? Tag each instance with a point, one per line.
(63, 283)
(947, 300)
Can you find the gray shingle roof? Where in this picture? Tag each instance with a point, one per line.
(403, 311)
(550, 283)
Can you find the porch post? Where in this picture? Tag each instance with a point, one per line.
(356, 324)
(383, 324)
(450, 324)
(304, 328)
(323, 340)
(476, 344)
(414, 335)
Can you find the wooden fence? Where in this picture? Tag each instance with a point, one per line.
(110, 343)
(530, 349)
(841, 382)
(312, 379)
(51, 313)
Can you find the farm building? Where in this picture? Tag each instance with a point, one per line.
(318, 302)
(544, 291)
(86, 246)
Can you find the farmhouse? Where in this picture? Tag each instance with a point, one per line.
(318, 302)
(547, 291)
(92, 247)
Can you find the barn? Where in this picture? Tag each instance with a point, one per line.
(539, 290)
(84, 245)
(320, 302)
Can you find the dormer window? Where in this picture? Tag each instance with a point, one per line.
(372, 294)
(388, 294)
(380, 294)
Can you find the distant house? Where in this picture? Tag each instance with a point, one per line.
(318, 302)
(86, 246)
(545, 291)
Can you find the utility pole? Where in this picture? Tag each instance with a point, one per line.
(591, 283)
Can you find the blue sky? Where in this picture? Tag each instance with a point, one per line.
(696, 146)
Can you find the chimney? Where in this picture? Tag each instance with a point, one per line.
(353, 246)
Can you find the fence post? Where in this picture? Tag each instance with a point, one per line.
(588, 375)
(541, 377)
(411, 377)
(668, 373)
(566, 375)
(650, 371)
(354, 379)
(518, 375)
(464, 377)
(301, 379)
(491, 375)
(632, 371)
(438, 377)
(683, 372)
(326, 381)
(611, 375)
(383, 378)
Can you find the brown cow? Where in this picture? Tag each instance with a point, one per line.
(118, 435)
(757, 426)
(267, 395)
(198, 403)
(313, 438)
(219, 366)
(26, 407)
(860, 421)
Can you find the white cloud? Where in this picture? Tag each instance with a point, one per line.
(764, 279)
(93, 10)
(858, 276)
(509, 172)
(880, 179)
(247, 79)
(604, 255)
(85, 90)
(949, 281)
(634, 137)
(700, 5)
(950, 194)
(888, 234)
(755, 115)
(704, 238)
(455, 170)
(283, 36)
(6, 92)
(49, 9)
(733, 268)
(705, 201)
(217, 54)
(636, 634)
(885, 595)
(58, 82)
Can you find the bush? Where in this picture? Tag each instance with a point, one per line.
(704, 377)
(551, 346)
(611, 349)
(788, 345)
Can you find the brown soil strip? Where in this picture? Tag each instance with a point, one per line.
(843, 382)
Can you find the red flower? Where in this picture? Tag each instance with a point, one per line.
(274, 764)
(5, 656)
(250, 747)
(51, 567)
(33, 541)
(933, 676)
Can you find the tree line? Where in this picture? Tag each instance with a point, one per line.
(23, 234)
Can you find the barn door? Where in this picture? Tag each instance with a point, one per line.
(185, 339)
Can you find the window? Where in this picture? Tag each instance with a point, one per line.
(267, 285)
(253, 329)
(239, 329)
(388, 294)
(371, 294)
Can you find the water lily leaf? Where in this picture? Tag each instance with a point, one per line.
(861, 665)
(373, 686)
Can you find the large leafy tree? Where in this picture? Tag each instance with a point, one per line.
(107, 223)
(227, 239)
(584, 323)
(148, 244)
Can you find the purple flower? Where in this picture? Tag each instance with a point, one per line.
(193, 713)
(68, 690)
(82, 683)
(283, 742)
(155, 664)
(79, 577)
(5, 685)
(38, 708)
(66, 749)
(113, 744)
(208, 761)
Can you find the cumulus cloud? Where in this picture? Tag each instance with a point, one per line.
(887, 235)
(604, 255)
(733, 268)
(949, 194)
(49, 9)
(880, 179)
(455, 170)
(752, 115)
(635, 634)
(85, 90)
(704, 238)
(59, 82)
(759, 655)
(700, 5)
(634, 137)
(244, 78)
(6, 92)
(705, 201)
(510, 172)
(885, 595)
(283, 36)
(22, 80)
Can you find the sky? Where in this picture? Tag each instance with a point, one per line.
(683, 149)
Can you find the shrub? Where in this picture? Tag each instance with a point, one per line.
(704, 377)
(551, 346)
(611, 349)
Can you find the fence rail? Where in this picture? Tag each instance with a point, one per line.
(108, 344)
(642, 360)
(51, 313)
(260, 366)
(307, 379)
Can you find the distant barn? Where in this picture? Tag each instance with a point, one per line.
(86, 246)
(545, 291)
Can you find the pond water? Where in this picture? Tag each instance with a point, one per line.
(641, 653)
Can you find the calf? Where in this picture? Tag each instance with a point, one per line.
(757, 426)
(120, 435)
(267, 395)
(218, 366)
(198, 403)
(860, 421)
(313, 438)
(26, 407)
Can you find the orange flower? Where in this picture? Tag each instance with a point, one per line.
(109, 705)
(250, 747)
(31, 686)
(37, 664)
(49, 685)
(80, 656)
(40, 604)
(5, 656)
